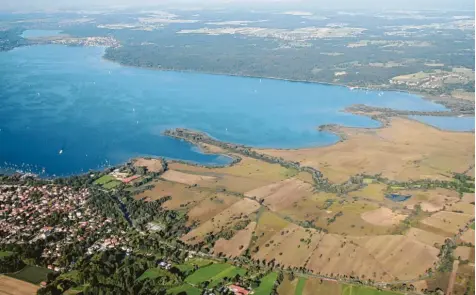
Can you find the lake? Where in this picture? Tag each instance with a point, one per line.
(40, 33)
(448, 123)
(65, 110)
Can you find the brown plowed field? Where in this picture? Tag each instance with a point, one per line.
(238, 244)
(283, 194)
(223, 220)
(11, 286)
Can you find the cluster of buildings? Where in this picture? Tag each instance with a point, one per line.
(87, 41)
(433, 80)
(58, 215)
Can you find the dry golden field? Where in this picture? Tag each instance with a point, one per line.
(152, 165)
(244, 176)
(383, 217)
(283, 194)
(11, 286)
(405, 150)
(240, 210)
(185, 178)
(357, 233)
(238, 244)
(448, 222)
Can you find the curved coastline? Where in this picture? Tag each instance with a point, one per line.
(320, 128)
(422, 95)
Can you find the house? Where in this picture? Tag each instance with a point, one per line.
(237, 290)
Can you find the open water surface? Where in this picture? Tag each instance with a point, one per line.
(65, 110)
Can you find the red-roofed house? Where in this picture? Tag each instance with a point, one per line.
(129, 179)
(237, 290)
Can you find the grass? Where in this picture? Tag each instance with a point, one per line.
(159, 276)
(107, 182)
(267, 284)
(104, 179)
(72, 276)
(290, 172)
(228, 273)
(184, 267)
(200, 262)
(214, 273)
(396, 187)
(206, 273)
(5, 253)
(300, 286)
(190, 264)
(152, 273)
(111, 184)
(361, 290)
(472, 225)
(190, 290)
(31, 274)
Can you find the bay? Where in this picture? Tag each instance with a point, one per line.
(65, 110)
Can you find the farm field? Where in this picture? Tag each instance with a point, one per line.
(290, 247)
(282, 194)
(210, 206)
(374, 191)
(31, 274)
(238, 244)
(468, 237)
(185, 178)
(267, 284)
(300, 286)
(426, 237)
(346, 218)
(244, 176)
(430, 200)
(182, 196)
(361, 290)
(239, 211)
(287, 286)
(447, 222)
(12, 286)
(268, 224)
(214, 273)
(188, 289)
(372, 151)
(317, 286)
(279, 215)
(152, 165)
(383, 217)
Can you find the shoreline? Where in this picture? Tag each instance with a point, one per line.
(444, 101)
(382, 117)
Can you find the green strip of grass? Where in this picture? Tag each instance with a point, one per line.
(104, 179)
(190, 290)
(267, 284)
(31, 274)
(111, 184)
(300, 286)
(206, 273)
(5, 253)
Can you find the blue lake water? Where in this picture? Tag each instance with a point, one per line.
(448, 123)
(40, 33)
(56, 98)
(398, 197)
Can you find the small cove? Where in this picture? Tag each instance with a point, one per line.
(448, 123)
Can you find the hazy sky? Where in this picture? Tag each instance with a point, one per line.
(288, 4)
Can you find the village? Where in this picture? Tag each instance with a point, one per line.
(58, 215)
